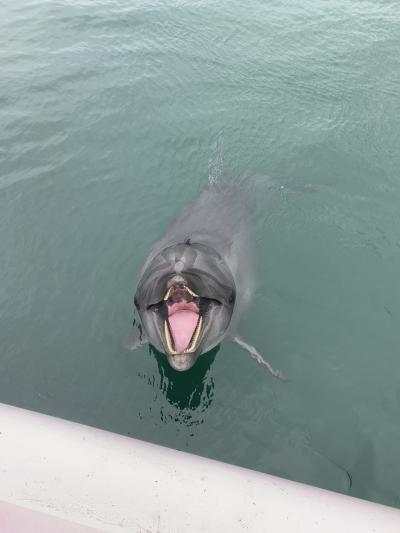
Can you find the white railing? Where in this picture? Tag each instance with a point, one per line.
(61, 477)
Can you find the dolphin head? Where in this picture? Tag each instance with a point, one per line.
(185, 299)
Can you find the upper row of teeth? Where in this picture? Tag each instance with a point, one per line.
(171, 289)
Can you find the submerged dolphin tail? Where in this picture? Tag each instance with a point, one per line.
(258, 357)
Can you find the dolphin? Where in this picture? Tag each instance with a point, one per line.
(198, 279)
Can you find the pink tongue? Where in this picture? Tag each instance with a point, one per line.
(182, 324)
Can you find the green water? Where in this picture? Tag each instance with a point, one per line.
(109, 116)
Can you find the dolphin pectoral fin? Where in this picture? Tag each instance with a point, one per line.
(135, 338)
(258, 357)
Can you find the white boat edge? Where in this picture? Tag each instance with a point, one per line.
(63, 477)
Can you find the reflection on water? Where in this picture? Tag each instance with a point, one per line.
(190, 392)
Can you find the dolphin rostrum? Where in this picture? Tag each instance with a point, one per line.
(198, 279)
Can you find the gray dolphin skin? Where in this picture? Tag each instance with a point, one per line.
(198, 279)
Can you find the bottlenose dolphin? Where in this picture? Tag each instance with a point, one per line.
(198, 279)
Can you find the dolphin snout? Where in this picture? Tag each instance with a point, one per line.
(182, 362)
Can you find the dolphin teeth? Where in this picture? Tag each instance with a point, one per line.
(195, 337)
(192, 293)
(167, 335)
(168, 293)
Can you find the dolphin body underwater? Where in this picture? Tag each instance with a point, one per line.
(198, 280)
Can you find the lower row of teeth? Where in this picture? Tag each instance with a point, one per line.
(193, 342)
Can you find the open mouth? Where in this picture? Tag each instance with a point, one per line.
(183, 326)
